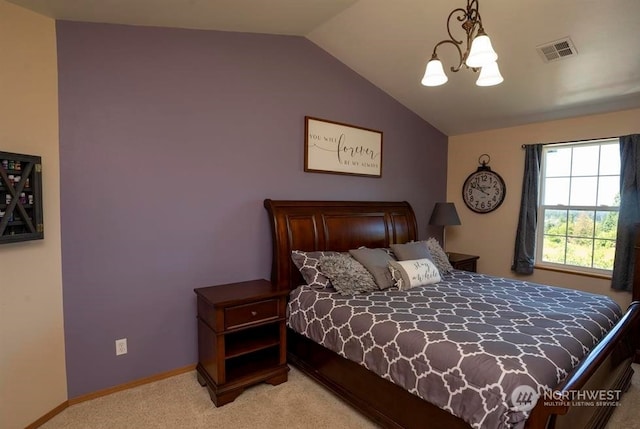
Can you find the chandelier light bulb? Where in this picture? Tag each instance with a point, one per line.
(489, 75)
(434, 74)
(481, 52)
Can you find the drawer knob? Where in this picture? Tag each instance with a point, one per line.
(254, 313)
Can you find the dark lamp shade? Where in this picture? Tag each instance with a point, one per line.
(444, 214)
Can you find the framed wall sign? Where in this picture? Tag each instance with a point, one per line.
(333, 147)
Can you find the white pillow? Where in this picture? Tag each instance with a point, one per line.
(416, 272)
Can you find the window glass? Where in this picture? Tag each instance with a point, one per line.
(585, 161)
(555, 222)
(584, 191)
(558, 162)
(609, 191)
(554, 249)
(557, 191)
(581, 223)
(604, 251)
(579, 252)
(610, 159)
(606, 224)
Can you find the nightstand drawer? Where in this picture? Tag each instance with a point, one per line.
(250, 313)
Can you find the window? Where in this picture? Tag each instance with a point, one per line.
(579, 203)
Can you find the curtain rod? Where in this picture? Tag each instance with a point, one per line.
(573, 141)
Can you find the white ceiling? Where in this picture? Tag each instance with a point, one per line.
(388, 42)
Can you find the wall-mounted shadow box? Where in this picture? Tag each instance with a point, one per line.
(20, 198)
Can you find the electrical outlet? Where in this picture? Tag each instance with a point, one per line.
(121, 347)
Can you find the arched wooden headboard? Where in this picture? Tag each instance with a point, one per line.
(333, 225)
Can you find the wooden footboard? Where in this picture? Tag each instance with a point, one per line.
(606, 368)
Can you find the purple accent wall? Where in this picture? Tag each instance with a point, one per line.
(170, 140)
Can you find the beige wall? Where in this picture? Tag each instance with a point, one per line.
(492, 235)
(32, 359)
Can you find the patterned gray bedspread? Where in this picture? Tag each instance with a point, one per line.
(463, 344)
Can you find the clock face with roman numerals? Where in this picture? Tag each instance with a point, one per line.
(483, 191)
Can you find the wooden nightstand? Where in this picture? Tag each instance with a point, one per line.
(460, 261)
(241, 338)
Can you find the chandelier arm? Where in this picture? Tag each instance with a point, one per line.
(462, 17)
(456, 44)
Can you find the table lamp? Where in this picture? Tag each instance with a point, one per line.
(444, 214)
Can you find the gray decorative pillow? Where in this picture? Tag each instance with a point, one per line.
(389, 251)
(376, 261)
(438, 256)
(417, 272)
(412, 250)
(307, 263)
(347, 275)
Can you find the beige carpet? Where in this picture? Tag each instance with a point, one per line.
(180, 402)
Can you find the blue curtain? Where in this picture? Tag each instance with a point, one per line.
(525, 247)
(629, 215)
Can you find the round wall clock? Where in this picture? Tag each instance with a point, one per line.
(484, 190)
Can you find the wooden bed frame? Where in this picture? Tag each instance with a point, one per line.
(343, 225)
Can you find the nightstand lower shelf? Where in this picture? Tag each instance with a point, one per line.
(251, 340)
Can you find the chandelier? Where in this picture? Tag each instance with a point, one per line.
(478, 54)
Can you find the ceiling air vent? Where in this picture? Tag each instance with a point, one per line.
(557, 50)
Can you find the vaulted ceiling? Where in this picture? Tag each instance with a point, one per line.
(389, 42)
